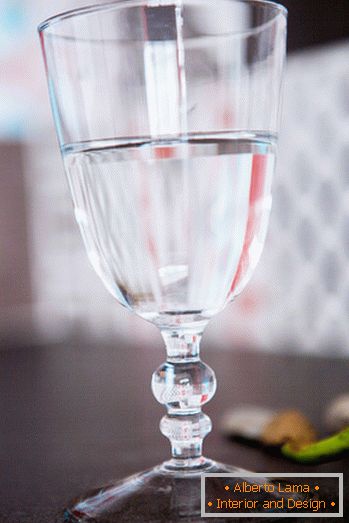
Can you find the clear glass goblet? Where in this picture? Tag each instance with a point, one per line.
(167, 115)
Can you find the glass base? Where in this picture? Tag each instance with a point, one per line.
(157, 495)
(160, 494)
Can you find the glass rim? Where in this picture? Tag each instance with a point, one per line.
(121, 4)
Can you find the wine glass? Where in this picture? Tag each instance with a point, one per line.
(167, 116)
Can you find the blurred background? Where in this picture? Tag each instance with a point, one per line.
(298, 299)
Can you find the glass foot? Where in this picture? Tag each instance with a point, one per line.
(156, 495)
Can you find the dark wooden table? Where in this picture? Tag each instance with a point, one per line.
(73, 417)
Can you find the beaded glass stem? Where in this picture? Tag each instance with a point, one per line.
(184, 384)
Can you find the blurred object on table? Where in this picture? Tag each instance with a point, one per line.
(337, 413)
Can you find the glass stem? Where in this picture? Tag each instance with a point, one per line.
(184, 384)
